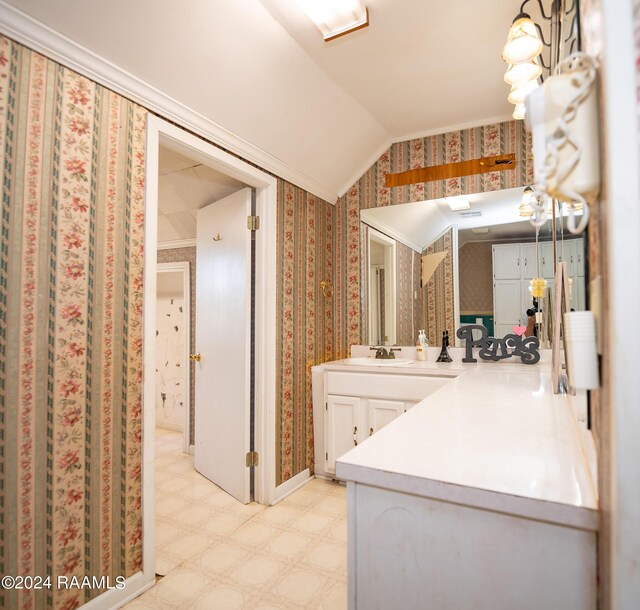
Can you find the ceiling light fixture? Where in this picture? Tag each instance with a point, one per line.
(336, 18)
(458, 203)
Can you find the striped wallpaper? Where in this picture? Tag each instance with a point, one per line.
(72, 157)
(306, 253)
(438, 294)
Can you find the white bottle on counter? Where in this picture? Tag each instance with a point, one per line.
(421, 347)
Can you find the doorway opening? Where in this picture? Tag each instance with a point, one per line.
(173, 333)
(382, 288)
(182, 167)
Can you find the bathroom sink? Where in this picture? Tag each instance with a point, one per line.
(371, 361)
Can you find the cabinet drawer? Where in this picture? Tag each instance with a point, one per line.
(396, 387)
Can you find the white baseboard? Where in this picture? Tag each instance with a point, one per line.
(116, 598)
(291, 485)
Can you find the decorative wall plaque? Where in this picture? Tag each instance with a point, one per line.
(494, 349)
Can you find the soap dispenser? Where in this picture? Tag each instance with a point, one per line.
(421, 346)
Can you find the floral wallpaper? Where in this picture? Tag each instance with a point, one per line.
(304, 325)
(369, 191)
(438, 293)
(72, 157)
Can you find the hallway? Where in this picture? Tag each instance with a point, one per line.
(214, 552)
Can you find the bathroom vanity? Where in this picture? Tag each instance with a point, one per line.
(481, 495)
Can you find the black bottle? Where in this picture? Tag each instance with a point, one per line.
(444, 352)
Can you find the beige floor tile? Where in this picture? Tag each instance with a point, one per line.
(220, 597)
(288, 544)
(196, 514)
(222, 524)
(336, 599)
(311, 523)
(327, 556)
(257, 570)
(339, 531)
(298, 586)
(220, 558)
(188, 545)
(166, 531)
(254, 534)
(216, 553)
(169, 506)
(180, 587)
(332, 504)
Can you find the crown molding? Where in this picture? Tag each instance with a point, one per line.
(41, 38)
(177, 243)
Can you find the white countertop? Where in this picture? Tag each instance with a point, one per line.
(495, 436)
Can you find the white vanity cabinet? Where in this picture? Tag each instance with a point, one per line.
(351, 420)
(350, 405)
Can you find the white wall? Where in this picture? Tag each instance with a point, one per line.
(170, 366)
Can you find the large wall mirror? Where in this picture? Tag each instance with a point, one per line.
(434, 268)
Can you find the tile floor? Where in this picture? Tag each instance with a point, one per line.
(215, 553)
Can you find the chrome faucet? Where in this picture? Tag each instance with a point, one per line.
(383, 354)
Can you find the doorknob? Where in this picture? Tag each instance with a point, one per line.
(195, 357)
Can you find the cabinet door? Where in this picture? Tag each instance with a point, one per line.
(547, 262)
(506, 305)
(506, 262)
(381, 412)
(567, 254)
(578, 297)
(341, 428)
(529, 266)
(579, 257)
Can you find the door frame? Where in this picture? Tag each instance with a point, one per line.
(183, 267)
(389, 245)
(175, 138)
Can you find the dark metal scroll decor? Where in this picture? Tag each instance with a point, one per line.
(494, 349)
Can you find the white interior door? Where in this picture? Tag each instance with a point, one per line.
(223, 318)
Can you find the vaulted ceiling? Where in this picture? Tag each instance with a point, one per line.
(260, 70)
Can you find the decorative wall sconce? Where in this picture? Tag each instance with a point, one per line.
(527, 45)
(327, 288)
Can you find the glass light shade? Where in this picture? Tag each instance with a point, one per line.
(527, 202)
(518, 74)
(336, 17)
(519, 92)
(519, 112)
(523, 41)
(537, 286)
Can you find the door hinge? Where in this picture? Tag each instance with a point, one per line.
(252, 458)
(253, 223)
(326, 456)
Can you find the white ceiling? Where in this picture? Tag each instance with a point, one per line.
(185, 186)
(260, 70)
(418, 224)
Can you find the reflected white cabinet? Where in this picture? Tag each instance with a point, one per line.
(507, 265)
(515, 265)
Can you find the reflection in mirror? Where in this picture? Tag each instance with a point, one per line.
(381, 289)
(490, 255)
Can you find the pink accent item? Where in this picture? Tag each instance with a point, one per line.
(519, 330)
